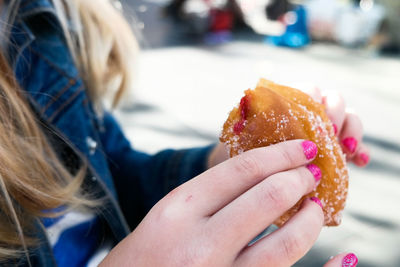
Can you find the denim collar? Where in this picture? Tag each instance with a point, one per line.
(20, 34)
(32, 7)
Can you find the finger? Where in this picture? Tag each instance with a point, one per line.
(218, 155)
(287, 244)
(351, 134)
(335, 109)
(362, 156)
(343, 260)
(315, 93)
(260, 206)
(309, 89)
(214, 189)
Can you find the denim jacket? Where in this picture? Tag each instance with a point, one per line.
(130, 181)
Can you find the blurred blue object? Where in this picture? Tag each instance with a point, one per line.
(217, 38)
(296, 34)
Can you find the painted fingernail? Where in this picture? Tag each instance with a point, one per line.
(350, 260)
(335, 128)
(365, 158)
(316, 171)
(316, 200)
(350, 143)
(310, 149)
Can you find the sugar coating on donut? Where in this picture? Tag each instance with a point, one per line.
(275, 113)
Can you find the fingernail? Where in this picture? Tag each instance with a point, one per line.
(310, 149)
(350, 143)
(335, 128)
(350, 260)
(316, 200)
(316, 171)
(365, 158)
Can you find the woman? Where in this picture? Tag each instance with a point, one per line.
(72, 187)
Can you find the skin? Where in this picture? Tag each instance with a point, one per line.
(209, 220)
(347, 122)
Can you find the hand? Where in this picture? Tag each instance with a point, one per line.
(209, 220)
(347, 124)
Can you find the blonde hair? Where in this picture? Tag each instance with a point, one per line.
(32, 177)
(102, 45)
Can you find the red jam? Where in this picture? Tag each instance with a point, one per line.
(244, 108)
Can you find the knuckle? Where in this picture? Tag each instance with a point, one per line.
(168, 213)
(293, 245)
(286, 190)
(297, 241)
(275, 195)
(247, 165)
(171, 195)
(286, 156)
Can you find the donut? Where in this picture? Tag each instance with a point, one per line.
(273, 113)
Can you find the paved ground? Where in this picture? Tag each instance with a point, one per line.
(184, 93)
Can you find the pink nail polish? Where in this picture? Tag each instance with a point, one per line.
(310, 149)
(365, 158)
(350, 260)
(316, 171)
(350, 143)
(335, 128)
(316, 200)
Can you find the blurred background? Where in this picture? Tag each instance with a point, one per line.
(198, 56)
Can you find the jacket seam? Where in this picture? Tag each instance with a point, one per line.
(51, 64)
(59, 94)
(70, 99)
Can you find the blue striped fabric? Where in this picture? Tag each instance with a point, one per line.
(74, 237)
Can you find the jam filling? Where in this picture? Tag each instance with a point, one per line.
(244, 108)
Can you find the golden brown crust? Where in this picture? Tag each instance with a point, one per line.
(274, 113)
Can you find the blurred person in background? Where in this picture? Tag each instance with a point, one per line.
(72, 187)
(203, 16)
(391, 28)
(207, 17)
